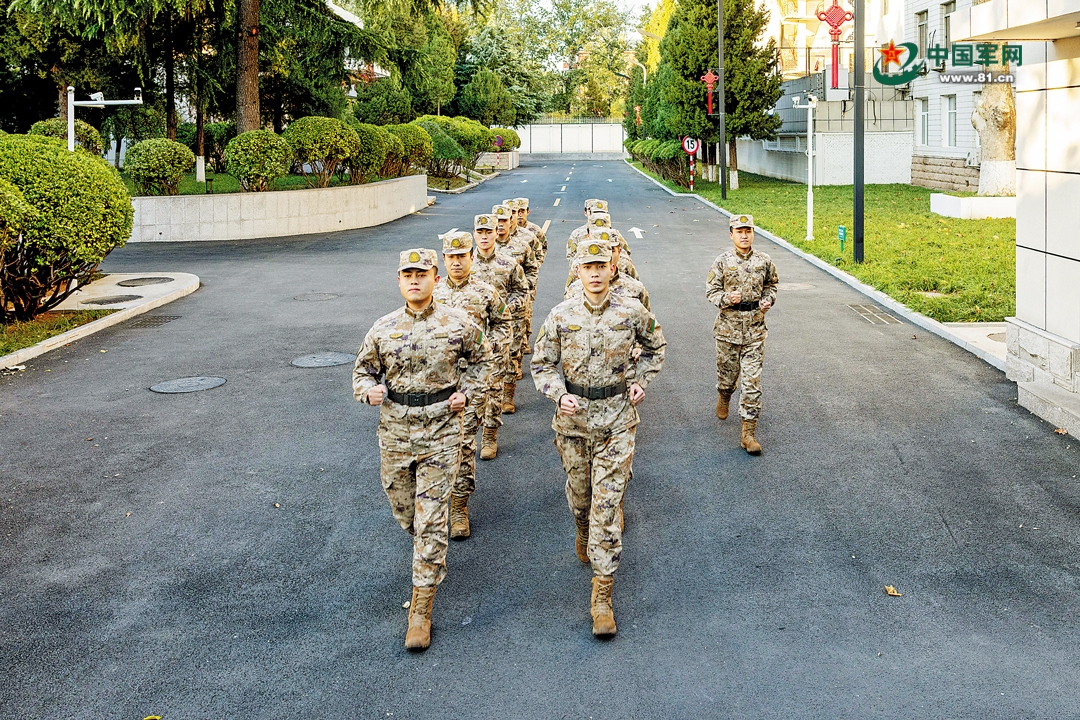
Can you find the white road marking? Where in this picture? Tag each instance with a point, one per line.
(546, 223)
(524, 181)
(556, 202)
(636, 231)
(566, 180)
(563, 188)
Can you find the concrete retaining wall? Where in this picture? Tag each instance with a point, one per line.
(244, 216)
(943, 173)
(887, 159)
(499, 161)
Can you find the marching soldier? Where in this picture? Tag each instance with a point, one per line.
(520, 248)
(505, 275)
(742, 283)
(600, 222)
(583, 362)
(523, 221)
(582, 230)
(421, 365)
(621, 284)
(488, 310)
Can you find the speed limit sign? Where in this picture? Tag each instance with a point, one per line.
(689, 145)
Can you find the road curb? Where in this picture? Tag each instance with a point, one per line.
(20, 356)
(913, 317)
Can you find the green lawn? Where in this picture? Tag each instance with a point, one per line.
(441, 183)
(951, 270)
(19, 335)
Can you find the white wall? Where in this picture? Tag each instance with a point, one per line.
(572, 138)
(243, 216)
(887, 159)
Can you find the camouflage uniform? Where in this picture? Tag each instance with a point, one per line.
(519, 246)
(740, 333)
(592, 347)
(487, 309)
(420, 446)
(598, 225)
(539, 243)
(504, 273)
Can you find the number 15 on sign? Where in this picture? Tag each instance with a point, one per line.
(690, 147)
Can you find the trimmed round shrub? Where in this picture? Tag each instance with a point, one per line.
(157, 166)
(511, 140)
(371, 149)
(447, 157)
(14, 212)
(319, 145)
(86, 135)
(79, 211)
(396, 163)
(418, 146)
(257, 158)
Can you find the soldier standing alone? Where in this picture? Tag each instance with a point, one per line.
(421, 364)
(742, 283)
(591, 339)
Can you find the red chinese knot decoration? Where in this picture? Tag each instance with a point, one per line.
(834, 17)
(710, 79)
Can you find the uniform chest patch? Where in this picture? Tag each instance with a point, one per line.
(396, 335)
(442, 335)
(575, 328)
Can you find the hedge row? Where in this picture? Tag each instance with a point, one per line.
(663, 157)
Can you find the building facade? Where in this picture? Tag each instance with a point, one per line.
(1044, 338)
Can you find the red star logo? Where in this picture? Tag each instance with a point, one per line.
(890, 54)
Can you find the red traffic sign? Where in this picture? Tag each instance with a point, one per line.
(689, 145)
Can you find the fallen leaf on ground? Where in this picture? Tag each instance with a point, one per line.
(892, 592)
(1062, 431)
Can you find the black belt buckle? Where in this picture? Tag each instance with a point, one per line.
(420, 399)
(596, 393)
(746, 306)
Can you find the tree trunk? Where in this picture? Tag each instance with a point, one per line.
(733, 166)
(994, 119)
(61, 101)
(170, 81)
(247, 67)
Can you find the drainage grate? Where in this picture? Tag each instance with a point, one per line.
(874, 315)
(152, 321)
(187, 385)
(112, 300)
(139, 282)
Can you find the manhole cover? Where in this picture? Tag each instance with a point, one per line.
(139, 282)
(112, 300)
(323, 359)
(874, 315)
(152, 321)
(795, 286)
(316, 297)
(188, 384)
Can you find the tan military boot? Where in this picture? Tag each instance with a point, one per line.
(722, 405)
(418, 636)
(753, 447)
(603, 617)
(581, 541)
(459, 517)
(509, 386)
(489, 445)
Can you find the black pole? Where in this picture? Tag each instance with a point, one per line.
(860, 122)
(720, 91)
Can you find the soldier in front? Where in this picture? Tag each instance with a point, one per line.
(742, 283)
(421, 365)
(591, 340)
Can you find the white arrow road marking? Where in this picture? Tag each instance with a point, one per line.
(636, 231)
(524, 181)
(451, 230)
(609, 179)
(556, 202)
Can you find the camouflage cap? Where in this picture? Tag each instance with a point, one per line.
(502, 211)
(599, 220)
(595, 204)
(418, 258)
(457, 243)
(598, 250)
(522, 203)
(484, 220)
(738, 221)
(511, 203)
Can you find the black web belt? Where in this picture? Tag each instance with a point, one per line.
(745, 306)
(595, 393)
(420, 399)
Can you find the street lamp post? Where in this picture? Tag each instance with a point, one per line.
(859, 7)
(811, 103)
(97, 100)
(720, 92)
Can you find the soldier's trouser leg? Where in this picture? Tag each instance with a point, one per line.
(418, 488)
(493, 404)
(750, 361)
(596, 475)
(474, 412)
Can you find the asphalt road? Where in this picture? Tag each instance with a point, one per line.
(230, 553)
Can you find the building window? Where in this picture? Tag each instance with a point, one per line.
(923, 107)
(946, 8)
(950, 120)
(922, 22)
